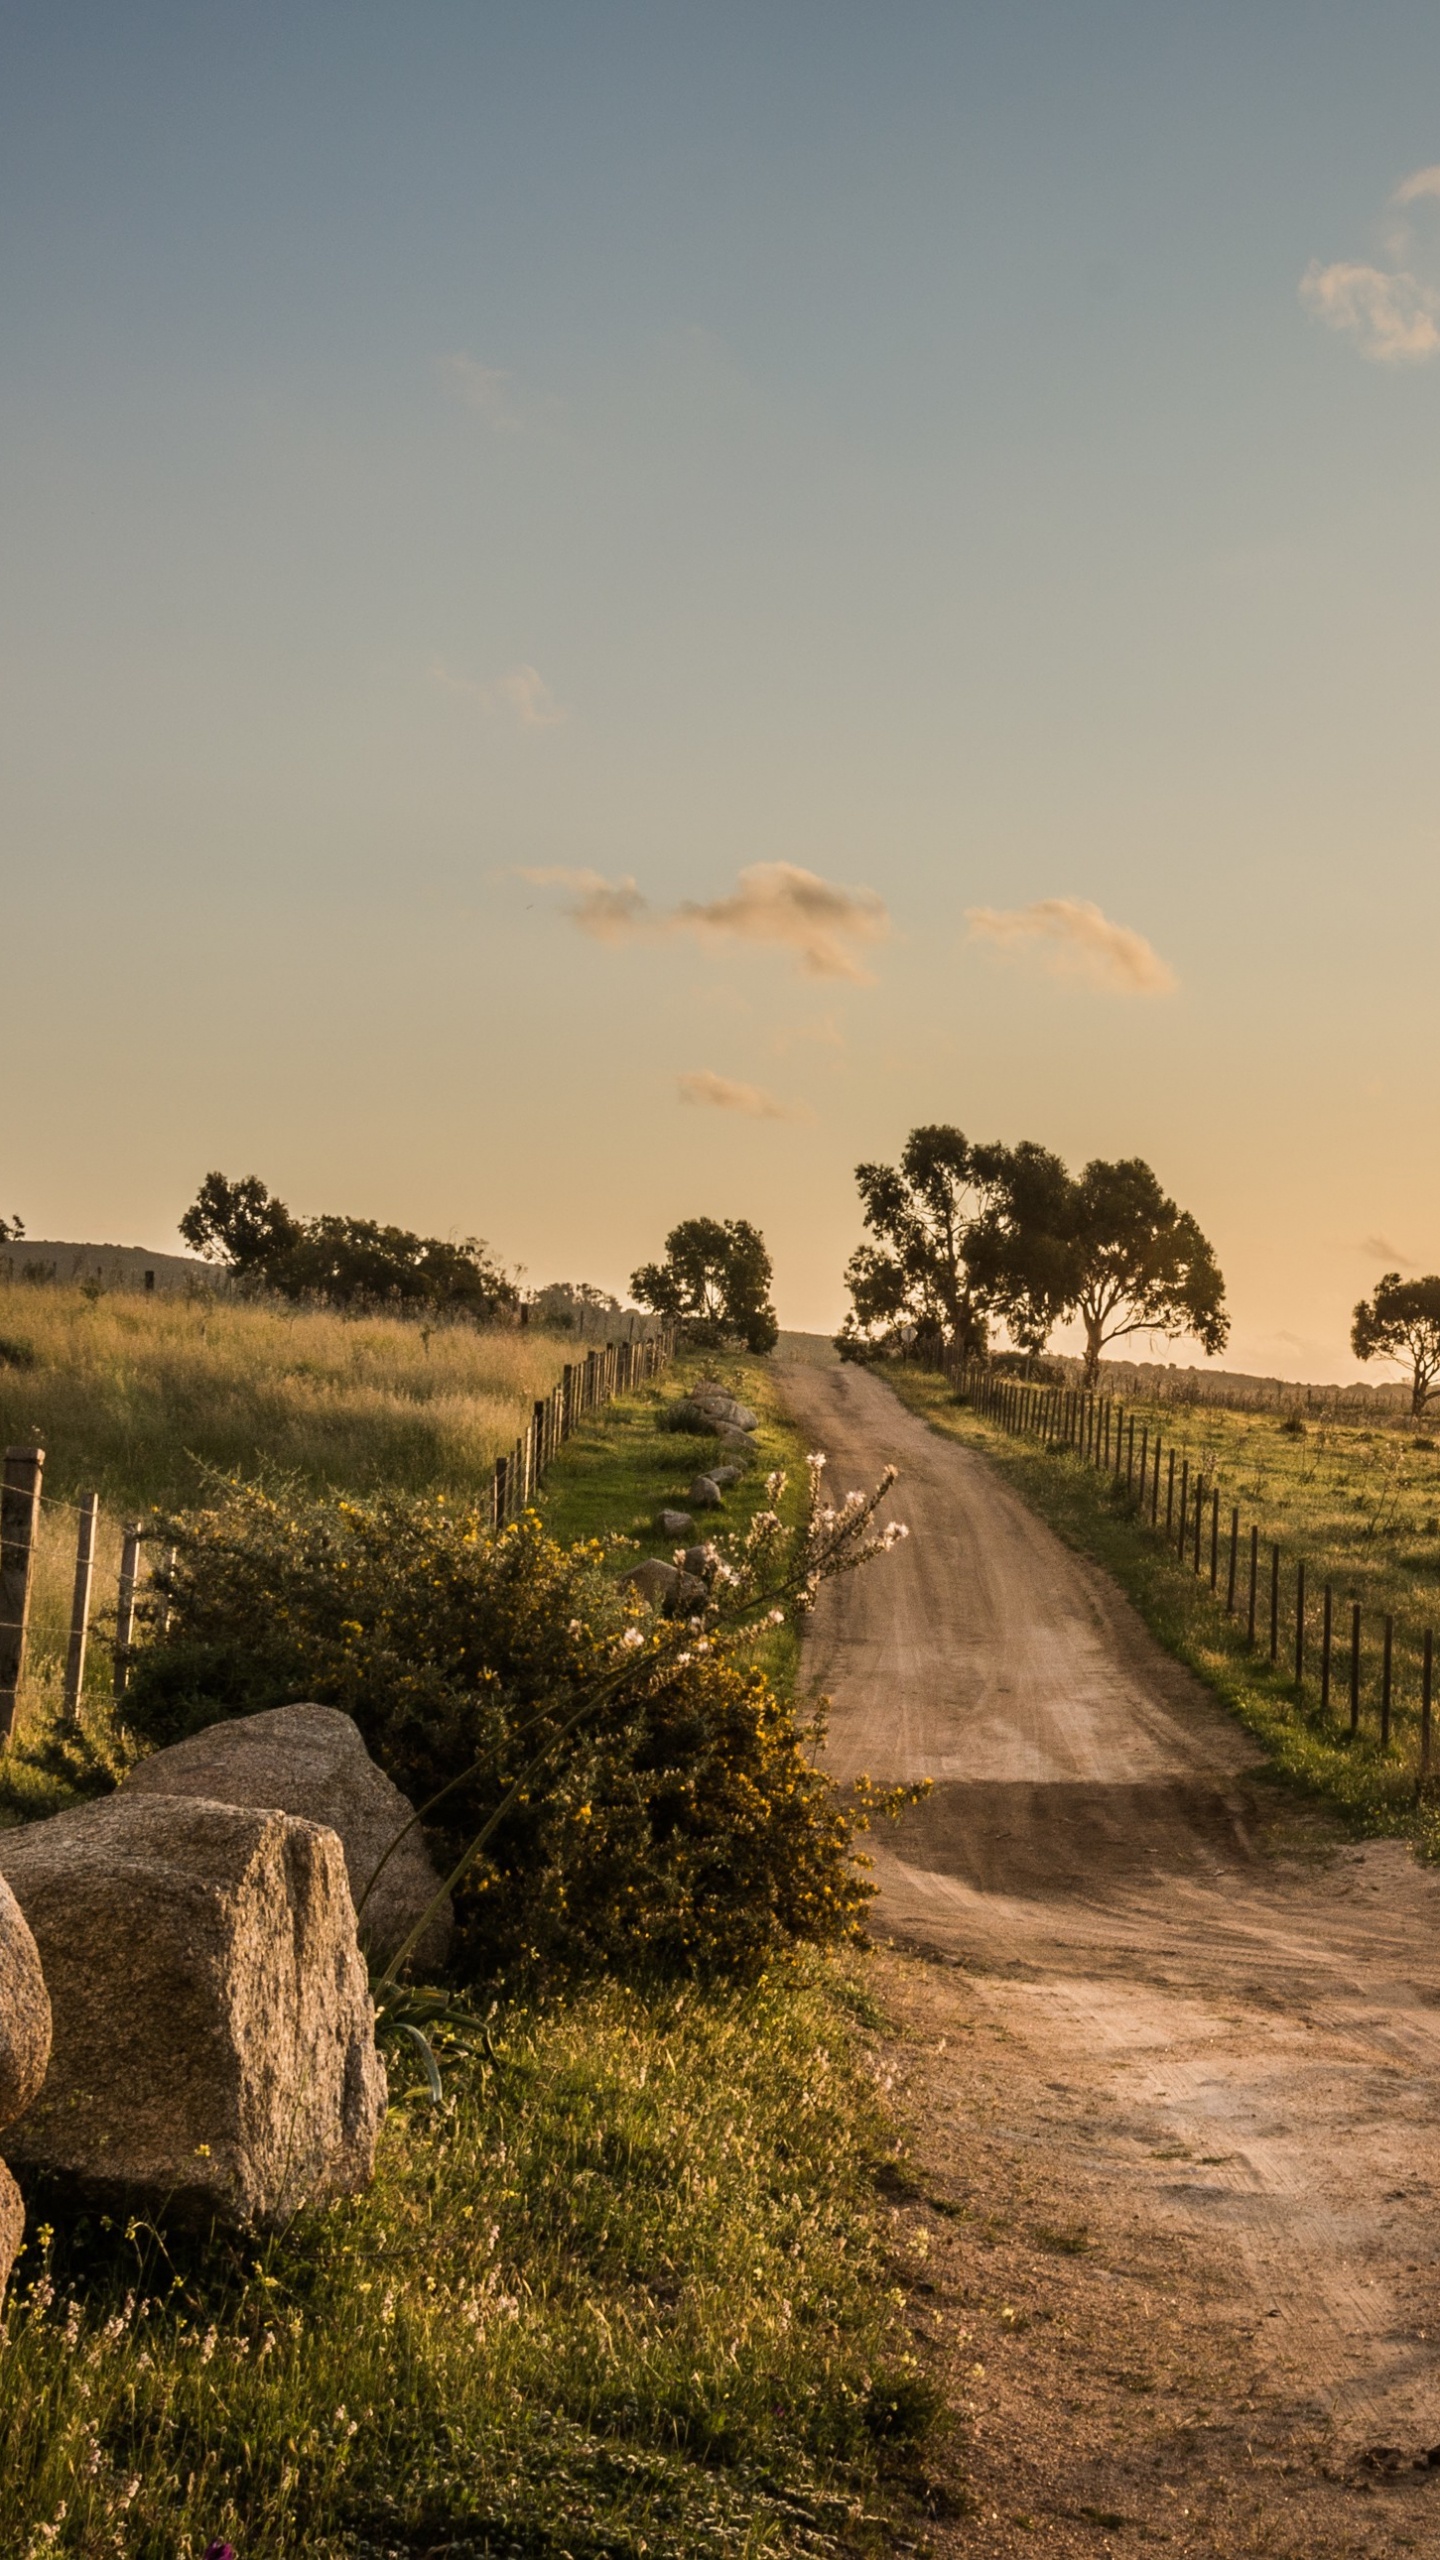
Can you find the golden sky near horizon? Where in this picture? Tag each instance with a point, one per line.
(600, 619)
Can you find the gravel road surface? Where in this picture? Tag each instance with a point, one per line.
(1249, 2040)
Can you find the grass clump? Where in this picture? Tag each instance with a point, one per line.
(1372, 1790)
(625, 2293)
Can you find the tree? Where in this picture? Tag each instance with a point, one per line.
(11, 1230)
(347, 1262)
(715, 1280)
(962, 1230)
(1402, 1322)
(1137, 1263)
(239, 1223)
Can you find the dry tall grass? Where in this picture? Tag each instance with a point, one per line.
(134, 1398)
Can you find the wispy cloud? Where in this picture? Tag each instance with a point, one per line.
(521, 692)
(723, 1093)
(1392, 314)
(487, 389)
(610, 910)
(1072, 939)
(1393, 317)
(1380, 1249)
(822, 924)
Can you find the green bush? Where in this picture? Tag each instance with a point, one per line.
(657, 1801)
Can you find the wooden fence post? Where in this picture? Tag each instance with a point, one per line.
(1170, 1498)
(1130, 1455)
(1254, 1583)
(1275, 1604)
(1300, 1623)
(1215, 1539)
(1426, 1675)
(1355, 1667)
(1325, 1622)
(80, 1603)
(1386, 1667)
(1184, 1507)
(19, 1526)
(125, 1605)
(1234, 1559)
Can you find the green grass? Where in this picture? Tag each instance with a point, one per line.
(625, 2293)
(1310, 1499)
(621, 1470)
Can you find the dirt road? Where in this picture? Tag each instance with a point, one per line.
(1241, 2047)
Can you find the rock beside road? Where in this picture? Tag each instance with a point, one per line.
(311, 1761)
(665, 1588)
(705, 1494)
(213, 2048)
(674, 1524)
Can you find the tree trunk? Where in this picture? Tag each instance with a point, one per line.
(1094, 1343)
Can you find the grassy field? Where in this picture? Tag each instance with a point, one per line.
(619, 1473)
(1359, 1506)
(135, 1398)
(627, 2292)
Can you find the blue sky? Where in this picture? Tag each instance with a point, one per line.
(649, 443)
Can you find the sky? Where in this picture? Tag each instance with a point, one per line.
(603, 609)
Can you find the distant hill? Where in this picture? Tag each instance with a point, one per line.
(114, 1266)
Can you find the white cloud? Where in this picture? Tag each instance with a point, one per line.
(1421, 182)
(1394, 317)
(772, 902)
(522, 693)
(1072, 939)
(723, 1093)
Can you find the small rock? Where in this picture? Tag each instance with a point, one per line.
(733, 1438)
(705, 1494)
(725, 1409)
(666, 1589)
(214, 2048)
(673, 1524)
(653, 1581)
(726, 1476)
(312, 1761)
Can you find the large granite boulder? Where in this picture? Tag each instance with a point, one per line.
(24, 2010)
(311, 1760)
(24, 2053)
(213, 2051)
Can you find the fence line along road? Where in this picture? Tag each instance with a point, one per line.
(583, 1388)
(1101, 1432)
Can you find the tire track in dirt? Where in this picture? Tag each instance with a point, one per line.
(1251, 2042)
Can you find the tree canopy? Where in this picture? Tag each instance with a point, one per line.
(715, 1280)
(1401, 1322)
(963, 1230)
(1138, 1264)
(344, 1262)
(969, 1233)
